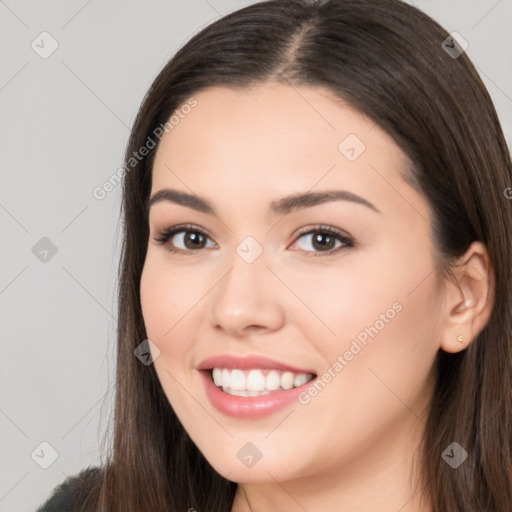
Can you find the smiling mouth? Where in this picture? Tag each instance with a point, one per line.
(257, 382)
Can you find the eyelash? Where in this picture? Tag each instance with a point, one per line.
(164, 236)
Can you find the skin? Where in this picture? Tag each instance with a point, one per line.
(355, 445)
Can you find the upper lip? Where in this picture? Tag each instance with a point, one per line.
(247, 363)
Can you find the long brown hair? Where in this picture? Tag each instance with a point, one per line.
(387, 60)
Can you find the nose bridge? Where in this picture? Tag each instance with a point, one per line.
(245, 297)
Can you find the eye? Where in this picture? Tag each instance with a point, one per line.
(323, 239)
(190, 237)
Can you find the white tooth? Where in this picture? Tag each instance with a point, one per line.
(255, 381)
(272, 381)
(300, 379)
(237, 392)
(237, 380)
(257, 393)
(245, 393)
(287, 380)
(217, 376)
(226, 374)
(233, 381)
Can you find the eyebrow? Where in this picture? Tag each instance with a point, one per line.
(282, 206)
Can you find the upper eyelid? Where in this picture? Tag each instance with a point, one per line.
(301, 231)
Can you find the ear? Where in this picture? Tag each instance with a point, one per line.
(469, 299)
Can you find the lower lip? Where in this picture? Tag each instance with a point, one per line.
(250, 407)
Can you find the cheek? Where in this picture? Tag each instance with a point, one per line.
(156, 303)
(383, 311)
(161, 305)
(388, 337)
(378, 366)
(166, 295)
(336, 304)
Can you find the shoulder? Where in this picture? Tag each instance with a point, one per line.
(71, 495)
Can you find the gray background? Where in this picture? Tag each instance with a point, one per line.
(65, 121)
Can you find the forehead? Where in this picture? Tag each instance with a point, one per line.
(273, 139)
(287, 119)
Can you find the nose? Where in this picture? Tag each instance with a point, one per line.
(246, 299)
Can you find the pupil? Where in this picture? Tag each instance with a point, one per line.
(195, 238)
(318, 237)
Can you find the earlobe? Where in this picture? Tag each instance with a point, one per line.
(458, 334)
(469, 300)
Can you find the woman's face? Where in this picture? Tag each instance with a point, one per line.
(357, 308)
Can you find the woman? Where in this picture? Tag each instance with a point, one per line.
(314, 276)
